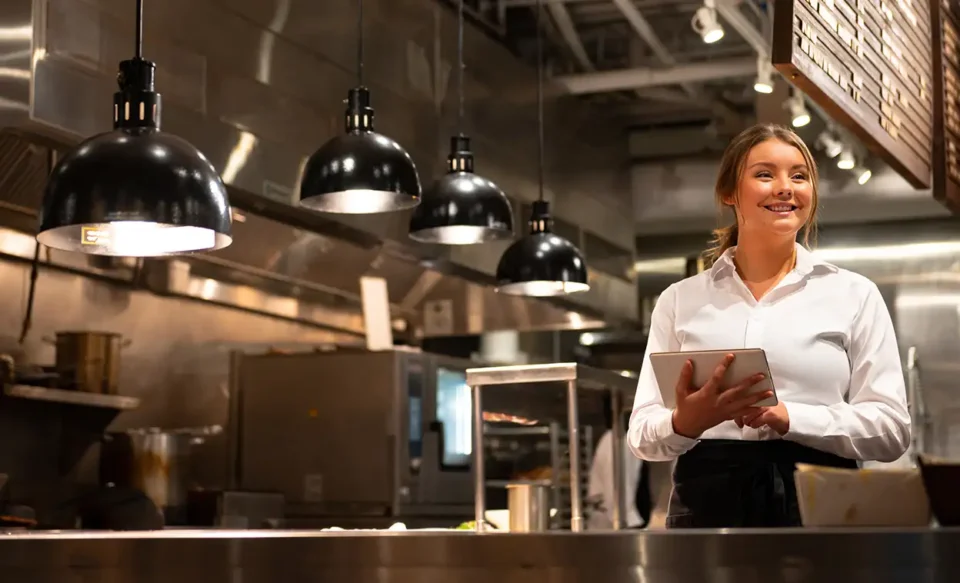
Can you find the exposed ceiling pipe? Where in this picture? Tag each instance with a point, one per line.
(623, 79)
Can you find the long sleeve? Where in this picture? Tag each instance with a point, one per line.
(650, 435)
(874, 423)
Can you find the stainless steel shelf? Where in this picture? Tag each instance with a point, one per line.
(505, 483)
(71, 397)
(587, 377)
(515, 431)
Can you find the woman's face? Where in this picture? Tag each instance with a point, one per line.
(775, 195)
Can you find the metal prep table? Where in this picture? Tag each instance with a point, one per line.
(576, 376)
(628, 556)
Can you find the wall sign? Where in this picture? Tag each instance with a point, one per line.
(945, 24)
(869, 65)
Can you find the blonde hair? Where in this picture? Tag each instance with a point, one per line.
(731, 171)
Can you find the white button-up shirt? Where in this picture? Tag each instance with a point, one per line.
(831, 348)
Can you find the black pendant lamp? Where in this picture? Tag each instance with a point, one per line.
(462, 208)
(361, 171)
(135, 191)
(541, 263)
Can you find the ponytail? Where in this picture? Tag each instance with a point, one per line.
(723, 239)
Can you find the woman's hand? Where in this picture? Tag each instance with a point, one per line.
(700, 409)
(775, 418)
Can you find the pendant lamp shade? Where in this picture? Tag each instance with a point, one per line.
(135, 191)
(462, 208)
(542, 263)
(361, 171)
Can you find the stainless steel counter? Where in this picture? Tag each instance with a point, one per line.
(767, 556)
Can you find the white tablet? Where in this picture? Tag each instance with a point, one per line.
(747, 362)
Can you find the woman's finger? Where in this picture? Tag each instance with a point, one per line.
(750, 414)
(686, 378)
(757, 422)
(715, 384)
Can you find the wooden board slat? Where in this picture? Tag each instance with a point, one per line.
(869, 65)
(945, 24)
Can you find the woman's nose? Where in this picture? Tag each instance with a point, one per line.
(784, 188)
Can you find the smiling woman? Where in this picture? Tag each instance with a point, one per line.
(826, 333)
(755, 167)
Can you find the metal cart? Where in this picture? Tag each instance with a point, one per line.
(577, 377)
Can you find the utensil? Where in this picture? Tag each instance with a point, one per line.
(528, 506)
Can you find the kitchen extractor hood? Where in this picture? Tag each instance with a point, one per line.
(54, 80)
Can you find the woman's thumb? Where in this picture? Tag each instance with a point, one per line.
(686, 377)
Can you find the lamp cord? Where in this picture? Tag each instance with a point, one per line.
(461, 65)
(139, 35)
(540, 98)
(360, 45)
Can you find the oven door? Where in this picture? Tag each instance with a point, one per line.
(444, 474)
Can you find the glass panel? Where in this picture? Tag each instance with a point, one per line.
(454, 411)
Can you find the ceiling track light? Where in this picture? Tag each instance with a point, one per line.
(135, 191)
(846, 159)
(361, 171)
(541, 264)
(462, 208)
(863, 175)
(831, 145)
(706, 24)
(799, 116)
(764, 81)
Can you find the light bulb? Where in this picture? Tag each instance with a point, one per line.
(846, 161)
(705, 23)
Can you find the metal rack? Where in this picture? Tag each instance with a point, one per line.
(558, 440)
(575, 377)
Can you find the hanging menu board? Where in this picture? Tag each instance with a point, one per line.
(945, 24)
(868, 65)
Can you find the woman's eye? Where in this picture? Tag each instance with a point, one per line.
(764, 175)
(799, 176)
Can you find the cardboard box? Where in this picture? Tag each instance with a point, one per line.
(881, 497)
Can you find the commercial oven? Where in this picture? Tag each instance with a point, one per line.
(353, 436)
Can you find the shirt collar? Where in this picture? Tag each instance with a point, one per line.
(807, 263)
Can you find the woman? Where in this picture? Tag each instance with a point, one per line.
(828, 338)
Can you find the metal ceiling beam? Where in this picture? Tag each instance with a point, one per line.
(643, 29)
(568, 30)
(625, 79)
(729, 10)
(561, 17)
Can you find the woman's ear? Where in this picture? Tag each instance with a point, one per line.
(729, 199)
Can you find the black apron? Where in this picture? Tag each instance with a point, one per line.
(741, 484)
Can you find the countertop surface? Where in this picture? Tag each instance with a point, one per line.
(215, 533)
(841, 555)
